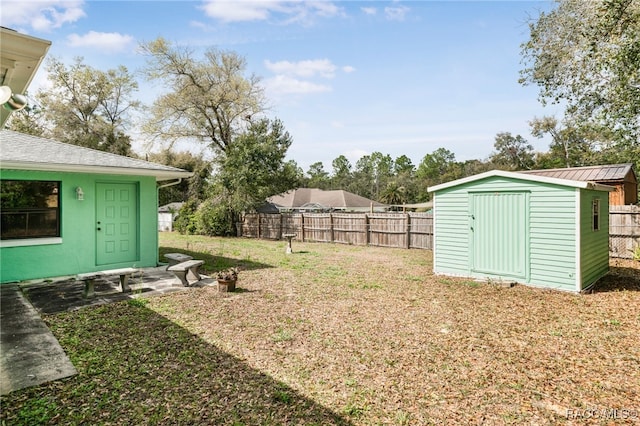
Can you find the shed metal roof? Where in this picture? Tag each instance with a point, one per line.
(605, 173)
(20, 151)
(523, 176)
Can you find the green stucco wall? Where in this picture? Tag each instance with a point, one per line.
(77, 252)
(554, 258)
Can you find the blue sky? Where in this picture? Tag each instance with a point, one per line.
(346, 78)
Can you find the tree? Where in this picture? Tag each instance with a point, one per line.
(341, 172)
(28, 120)
(363, 178)
(210, 101)
(89, 107)
(254, 167)
(512, 152)
(318, 178)
(404, 177)
(382, 165)
(435, 165)
(393, 194)
(570, 146)
(194, 188)
(586, 54)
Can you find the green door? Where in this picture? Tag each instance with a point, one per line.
(499, 234)
(117, 223)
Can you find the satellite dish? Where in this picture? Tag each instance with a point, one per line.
(12, 101)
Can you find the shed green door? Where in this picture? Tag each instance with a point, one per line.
(117, 223)
(499, 234)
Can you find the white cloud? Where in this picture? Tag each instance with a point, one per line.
(239, 10)
(110, 42)
(348, 69)
(260, 10)
(283, 84)
(396, 13)
(326, 8)
(369, 10)
(354, 155)
(42, 15)
(308, 68)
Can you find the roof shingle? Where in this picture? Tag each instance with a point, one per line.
(27, 152)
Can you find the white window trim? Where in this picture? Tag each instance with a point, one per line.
(31, 242)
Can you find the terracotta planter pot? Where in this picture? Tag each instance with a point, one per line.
(226, 285)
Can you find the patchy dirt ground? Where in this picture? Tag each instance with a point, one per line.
(349, 335)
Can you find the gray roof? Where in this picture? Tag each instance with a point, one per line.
(20, 151)
(334, 199)
(606, 173)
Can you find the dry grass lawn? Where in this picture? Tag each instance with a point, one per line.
(335, 334)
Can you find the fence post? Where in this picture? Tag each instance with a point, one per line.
(408, 230)
(366, 229)
(302, 225)
(331, 226)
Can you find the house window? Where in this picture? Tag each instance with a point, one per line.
(595, 213)
(29, 209)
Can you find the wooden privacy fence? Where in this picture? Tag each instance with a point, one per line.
(624, 231)
(402, 230)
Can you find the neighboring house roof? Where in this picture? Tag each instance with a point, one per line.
(26, 152)
(606, 173)
(314, 198)
(170, 208)
(523, 176)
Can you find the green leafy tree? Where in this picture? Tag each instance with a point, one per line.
(404, 177)
(363, 178)
(382, 172)
(569, 147)
(208, 100)
(435, 168)
(318, 177)
(341, 175)
(586, 55)
(254, 168)
(193, 188)
(393, 194)
(89, 107)
(512, 152)
(29, 120)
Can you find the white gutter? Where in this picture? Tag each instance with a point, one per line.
(175, 182)
(81, 168)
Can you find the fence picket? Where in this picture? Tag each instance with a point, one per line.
(404, 230)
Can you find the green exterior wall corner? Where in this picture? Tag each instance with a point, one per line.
(76, 253)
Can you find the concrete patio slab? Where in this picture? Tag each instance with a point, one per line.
(29, 353)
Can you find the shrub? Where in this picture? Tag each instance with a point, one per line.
(214, 219)
(185, 222)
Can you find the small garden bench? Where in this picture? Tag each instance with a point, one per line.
(175, 258)
(183, 268)
(90, 277)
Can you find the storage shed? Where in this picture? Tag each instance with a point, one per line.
(523, 228)
(621, 177)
